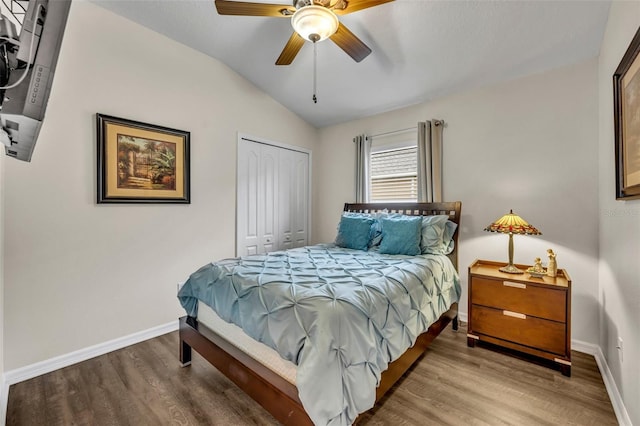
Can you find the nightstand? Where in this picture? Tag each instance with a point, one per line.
(520, 312)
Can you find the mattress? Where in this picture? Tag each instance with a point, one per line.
(256, 350)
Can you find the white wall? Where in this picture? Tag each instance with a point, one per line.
(78, 273)
(529, 145)
(619, 226)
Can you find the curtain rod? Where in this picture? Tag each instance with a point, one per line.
(394, 132)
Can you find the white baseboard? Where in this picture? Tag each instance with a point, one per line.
(34, 370)
(584, 347)
(609, 383)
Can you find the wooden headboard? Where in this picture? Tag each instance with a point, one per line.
(452, 209)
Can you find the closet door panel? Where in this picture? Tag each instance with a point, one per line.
(268, 199)
(285, 198)
(248, 190)
(300, 199)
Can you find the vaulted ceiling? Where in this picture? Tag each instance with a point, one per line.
(421, 49)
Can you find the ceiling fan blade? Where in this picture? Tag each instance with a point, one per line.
(291, 49)
(351, 44)
(356, 5)
(226, 7)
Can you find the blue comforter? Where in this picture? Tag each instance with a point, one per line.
(340, 315)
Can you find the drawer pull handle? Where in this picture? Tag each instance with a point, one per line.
(514, 314)
(512, 284)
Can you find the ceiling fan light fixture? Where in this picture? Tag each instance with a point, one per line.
(314, 23)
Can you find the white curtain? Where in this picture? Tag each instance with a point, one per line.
(363, 154)
(430, 161)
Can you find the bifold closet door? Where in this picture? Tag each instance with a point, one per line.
(272, 198)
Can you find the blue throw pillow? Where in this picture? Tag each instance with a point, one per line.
(401, 235)
(354, 232)
(376, 234)
(376, 229)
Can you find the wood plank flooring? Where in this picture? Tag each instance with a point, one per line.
(451, 385)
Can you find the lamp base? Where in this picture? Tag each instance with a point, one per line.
(511, 269)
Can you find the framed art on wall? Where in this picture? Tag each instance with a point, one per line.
(626, 111)
(141, 163)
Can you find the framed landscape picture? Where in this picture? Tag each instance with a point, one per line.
(626, 112)
(141, 163)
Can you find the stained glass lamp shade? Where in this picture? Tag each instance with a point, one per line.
(511, 224)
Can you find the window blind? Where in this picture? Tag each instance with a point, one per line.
(394, 175)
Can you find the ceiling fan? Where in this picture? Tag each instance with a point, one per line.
(312, 20)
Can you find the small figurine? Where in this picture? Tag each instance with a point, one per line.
(537, 267)
(537, 270)
(552, 267)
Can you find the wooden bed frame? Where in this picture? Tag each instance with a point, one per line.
(273, 392)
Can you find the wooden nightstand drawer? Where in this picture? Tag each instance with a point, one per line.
(519, 328)
(541, 302)
(521, 312)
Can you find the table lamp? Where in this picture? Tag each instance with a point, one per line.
(512, 224)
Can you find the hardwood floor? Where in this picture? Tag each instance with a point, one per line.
(451, 385)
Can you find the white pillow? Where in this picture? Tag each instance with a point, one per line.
(437, 235)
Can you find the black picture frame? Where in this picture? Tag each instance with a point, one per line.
(141, 163)
(626, 112)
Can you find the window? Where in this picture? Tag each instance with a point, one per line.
(394, 174)
(388, 165)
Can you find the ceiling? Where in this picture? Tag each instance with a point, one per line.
(421, 49)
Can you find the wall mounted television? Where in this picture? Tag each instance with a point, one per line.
(27, 65)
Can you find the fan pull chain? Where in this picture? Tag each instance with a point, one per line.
(315, 71)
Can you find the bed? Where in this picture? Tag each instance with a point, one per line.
(272, 382)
